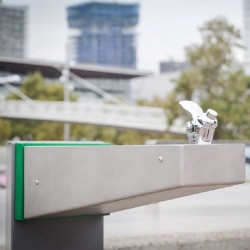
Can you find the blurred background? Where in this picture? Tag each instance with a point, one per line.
(115, 71)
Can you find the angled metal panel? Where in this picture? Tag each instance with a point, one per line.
(67, 181)
(72, 177)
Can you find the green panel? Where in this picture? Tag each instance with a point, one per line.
(19, 185)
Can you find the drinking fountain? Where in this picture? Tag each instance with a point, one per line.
(58, 192)
(201, 129)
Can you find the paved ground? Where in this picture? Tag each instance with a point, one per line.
(219, 210)
(225, 240)
(222, 209)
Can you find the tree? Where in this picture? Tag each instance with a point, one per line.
(215, 80)
(36, 88)
(5, 130)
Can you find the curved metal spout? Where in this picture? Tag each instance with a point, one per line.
(201, 129)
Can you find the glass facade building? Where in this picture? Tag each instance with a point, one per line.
(103, 33)
(246, 12)
(12, 31)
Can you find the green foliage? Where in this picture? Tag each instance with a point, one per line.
(5, 130)
(49, 131)
(36, 88)
(248, 81)
(115, 136)
(215, 80)
(91, 133)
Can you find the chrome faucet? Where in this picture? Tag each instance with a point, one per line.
(201, 129)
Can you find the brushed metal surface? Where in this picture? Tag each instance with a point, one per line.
(59, 233)
(137, 201)
(93, 180)
(213, 164)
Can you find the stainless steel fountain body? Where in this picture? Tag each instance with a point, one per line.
(201, 129)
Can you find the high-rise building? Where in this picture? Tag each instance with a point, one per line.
(12, 30)
(247, 35)
(103, 33)
(172, 66)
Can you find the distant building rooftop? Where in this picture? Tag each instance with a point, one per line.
(173, 66)
(53, 69)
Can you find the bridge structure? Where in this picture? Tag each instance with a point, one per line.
(89, 112)
(124, 116)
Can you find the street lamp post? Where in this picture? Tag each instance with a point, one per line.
(66, 92)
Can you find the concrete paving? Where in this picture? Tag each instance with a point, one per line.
(216, 220)
(224, 240)
(218, 210)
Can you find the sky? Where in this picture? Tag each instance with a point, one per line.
(165, 27)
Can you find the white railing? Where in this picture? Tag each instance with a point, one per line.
(115, 115)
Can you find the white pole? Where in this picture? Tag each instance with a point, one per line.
(66, 92)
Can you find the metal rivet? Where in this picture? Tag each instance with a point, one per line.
(37, 182)
(160, 159)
